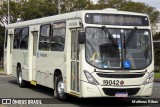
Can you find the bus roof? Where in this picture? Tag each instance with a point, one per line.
(71, 15)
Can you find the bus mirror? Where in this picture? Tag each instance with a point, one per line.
(81, 37)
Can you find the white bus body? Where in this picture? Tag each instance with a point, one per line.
(115, 60)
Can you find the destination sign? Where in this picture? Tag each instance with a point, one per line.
(116, 19)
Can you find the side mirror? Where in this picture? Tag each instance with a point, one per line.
(81, 37)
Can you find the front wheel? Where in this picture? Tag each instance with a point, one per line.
(59, 88)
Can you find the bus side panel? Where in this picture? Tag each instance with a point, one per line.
(20, 56)
(47, 63)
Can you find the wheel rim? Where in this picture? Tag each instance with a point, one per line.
(60, 88)
(20, 77)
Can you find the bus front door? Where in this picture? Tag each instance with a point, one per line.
(74, 61)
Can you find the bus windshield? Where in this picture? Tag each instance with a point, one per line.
(102, 53)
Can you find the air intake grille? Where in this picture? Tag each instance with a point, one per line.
(113, 91)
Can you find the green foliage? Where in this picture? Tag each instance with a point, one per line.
(157, 54)
(28, 10)
(128, 5)
(40, 8)
(75, 5)
(15, 11)
(157, 75)
(156, 36)
(37, 9)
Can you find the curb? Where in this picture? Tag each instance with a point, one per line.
(157, 80)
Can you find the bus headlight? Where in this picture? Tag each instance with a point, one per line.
(90, 78)
(149, 79)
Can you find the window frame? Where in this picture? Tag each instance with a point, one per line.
(46, 36)
(6, 39)
(16, 38)
(52, 30)
(22, 39)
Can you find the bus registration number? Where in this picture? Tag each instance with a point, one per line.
(112, 82)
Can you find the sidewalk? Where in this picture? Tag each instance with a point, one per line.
(2, 73)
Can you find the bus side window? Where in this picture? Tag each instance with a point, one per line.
(6, 39)
(58, 37)
(16, 38)
(44, 43)
(24, 38)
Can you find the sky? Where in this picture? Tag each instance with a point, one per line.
(153, 3)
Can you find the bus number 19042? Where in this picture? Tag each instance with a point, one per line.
(112, 82)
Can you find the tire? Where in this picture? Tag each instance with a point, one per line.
(20, 80)
(59, 89)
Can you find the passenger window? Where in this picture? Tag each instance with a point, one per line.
(58, 36)
(24, 38)
(16, 38)
(6, 39)
(44, 42)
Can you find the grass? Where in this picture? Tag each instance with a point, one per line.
(157, 75)
(1, 69)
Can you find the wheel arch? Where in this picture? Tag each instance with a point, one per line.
(57, 72)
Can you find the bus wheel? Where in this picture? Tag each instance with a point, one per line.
(21, 82)
(60, 94)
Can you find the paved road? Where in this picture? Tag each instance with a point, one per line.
(9, 89)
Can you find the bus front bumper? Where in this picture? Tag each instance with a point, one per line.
(90, 90)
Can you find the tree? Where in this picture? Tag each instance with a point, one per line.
(156, 36)
(15, 11)
(27, 10)
(129, 5)
(37, 9)
(141, 8)
(75, 5)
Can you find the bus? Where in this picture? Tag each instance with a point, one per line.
(89, 53)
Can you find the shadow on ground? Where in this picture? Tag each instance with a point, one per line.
(38, 88)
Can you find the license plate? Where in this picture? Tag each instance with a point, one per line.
(113, 82)
(121, 94)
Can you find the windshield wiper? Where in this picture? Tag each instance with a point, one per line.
(130, 36)
(110, 36)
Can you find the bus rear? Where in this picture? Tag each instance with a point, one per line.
(117, 55)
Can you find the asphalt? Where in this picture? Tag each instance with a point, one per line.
(4, 73)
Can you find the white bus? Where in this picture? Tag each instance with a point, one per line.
(91, 53)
